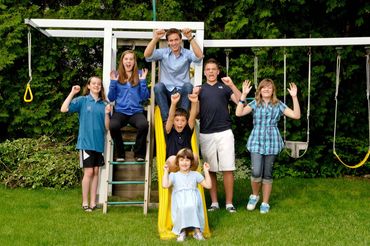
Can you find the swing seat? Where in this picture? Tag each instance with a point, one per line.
(296, 147)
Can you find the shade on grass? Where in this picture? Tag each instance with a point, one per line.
(303, 212)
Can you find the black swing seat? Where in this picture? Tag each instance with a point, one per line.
(296, 147)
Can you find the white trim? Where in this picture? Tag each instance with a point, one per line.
(114, 24)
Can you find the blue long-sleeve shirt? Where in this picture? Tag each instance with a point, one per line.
(128, 98)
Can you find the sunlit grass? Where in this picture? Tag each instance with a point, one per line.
(303, 212)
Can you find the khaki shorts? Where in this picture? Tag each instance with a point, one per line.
(218, 150)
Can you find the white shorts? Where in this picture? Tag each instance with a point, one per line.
(218, 150)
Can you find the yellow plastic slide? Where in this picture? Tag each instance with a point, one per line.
(164, 210)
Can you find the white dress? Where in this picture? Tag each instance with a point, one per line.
(187, 207)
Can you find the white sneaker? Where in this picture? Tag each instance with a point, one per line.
(181, 237)
(198, 236)
(253, 199)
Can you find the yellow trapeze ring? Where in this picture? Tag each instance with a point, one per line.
(29, 91)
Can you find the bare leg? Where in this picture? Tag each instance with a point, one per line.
(88, 173)
(256, 186)
(229, 186)
(266, 190)
(213, 190)
(94, 187)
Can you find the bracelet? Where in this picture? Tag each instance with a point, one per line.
(191, 38)
(241, 101)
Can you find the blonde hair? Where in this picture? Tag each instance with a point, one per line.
(87, 91)
(123, 78)
(262, 84)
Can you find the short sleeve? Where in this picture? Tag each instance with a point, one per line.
(172, 177)
(282, 107)
(199, 177)
(76, 105)
(253, 105)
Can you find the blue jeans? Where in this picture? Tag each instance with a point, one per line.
(262, 167)
(163, 97)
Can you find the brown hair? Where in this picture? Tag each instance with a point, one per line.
(123, 78)
(87, 91)
(264, 83)
(181, 112)
(188, 154)
(173, 31)
(212, 60)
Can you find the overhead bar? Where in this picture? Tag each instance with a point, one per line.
(225, 43)
(114, 24)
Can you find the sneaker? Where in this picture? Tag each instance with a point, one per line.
(253, 199)
(181, 237)
(120, 159)
(86, 208)
(264, 209)
(231, 209)
(213, 208)
(198, 236)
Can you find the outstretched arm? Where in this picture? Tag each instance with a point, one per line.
(194, 45)
(75, 89)
(157, 35)
(241, 108)
(166, 182)
(175, 98)
(193, 98)
(236, 93)
(206, 183)
(296, 112)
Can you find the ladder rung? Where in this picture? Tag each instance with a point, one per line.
(126, 182)
(128, 143)
(127, 202)
(127, 162)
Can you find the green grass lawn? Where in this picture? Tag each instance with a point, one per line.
(303, 212)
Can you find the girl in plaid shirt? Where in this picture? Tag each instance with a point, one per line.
(265, 141)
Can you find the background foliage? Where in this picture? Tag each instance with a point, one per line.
(58, 63)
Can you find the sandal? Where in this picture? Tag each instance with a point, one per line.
(94, 208)
(86, 208)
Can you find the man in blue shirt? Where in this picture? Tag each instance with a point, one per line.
(174, 68)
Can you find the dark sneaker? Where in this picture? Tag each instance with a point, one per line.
(213, 208)
(231, 209)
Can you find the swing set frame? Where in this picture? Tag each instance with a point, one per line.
(140, 32)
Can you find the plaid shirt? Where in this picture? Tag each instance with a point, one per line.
(265, 137)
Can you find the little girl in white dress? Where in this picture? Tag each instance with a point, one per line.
(187, 207)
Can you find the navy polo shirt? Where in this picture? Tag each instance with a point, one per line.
(214, 111)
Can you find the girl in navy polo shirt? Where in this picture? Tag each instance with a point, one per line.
(93, 112)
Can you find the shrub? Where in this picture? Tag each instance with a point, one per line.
(41, 162)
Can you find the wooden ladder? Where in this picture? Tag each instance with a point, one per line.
(129, 181)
